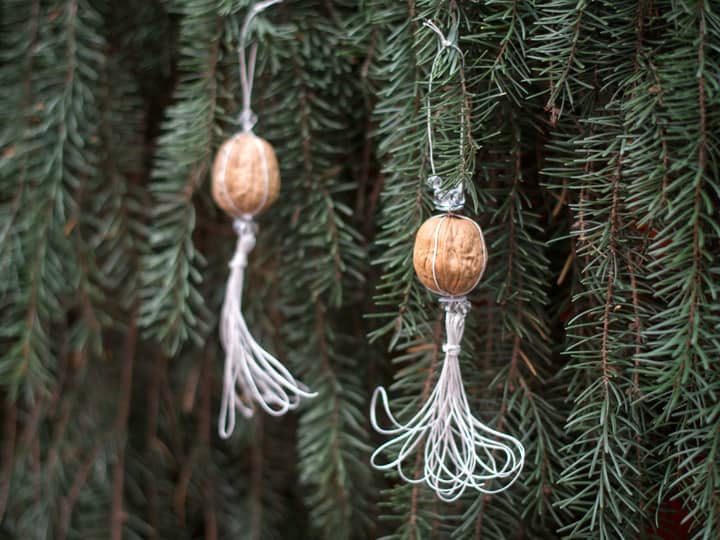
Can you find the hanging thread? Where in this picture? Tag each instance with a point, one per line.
(443, 44)
(248, 119)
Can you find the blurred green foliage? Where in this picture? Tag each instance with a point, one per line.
(591, 162)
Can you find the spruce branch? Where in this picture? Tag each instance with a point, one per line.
(173, 310)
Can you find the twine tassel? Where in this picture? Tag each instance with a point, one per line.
(251, 374)
(460, 451)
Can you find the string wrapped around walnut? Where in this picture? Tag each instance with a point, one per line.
(246, 177)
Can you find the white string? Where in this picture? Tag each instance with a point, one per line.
(459, 451)
(266, 174)
(443, 43)
(436, 236)
(247, 68)
(251, 374)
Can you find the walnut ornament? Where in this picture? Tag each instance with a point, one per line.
(444, 444)
(245, 176)
(245, 181)
(450, 254)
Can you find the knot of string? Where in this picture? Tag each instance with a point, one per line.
(456, 309)
(247, 66)
(443, 44)
(245, 230)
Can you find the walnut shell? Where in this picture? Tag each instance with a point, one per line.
(450, 254)
(246, 179)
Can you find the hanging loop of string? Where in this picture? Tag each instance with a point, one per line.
(443, 44)
(247, 65)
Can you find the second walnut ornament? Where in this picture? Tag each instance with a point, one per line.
(246, 180)
(458, 451)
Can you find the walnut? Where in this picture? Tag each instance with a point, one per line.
(450, 254)
(246, 179)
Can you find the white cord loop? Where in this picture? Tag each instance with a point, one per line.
(443, 44)
(459, 451)
(247, 67)
(251, 374)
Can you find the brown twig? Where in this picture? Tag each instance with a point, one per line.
(201, 447)
(211, 525)
(614, 218)
(551, 105)
(697, 196)
(117, 515)
(8, 450)
(256, 481)
(28, 434)
(66, 507)
(153, 409)
(334, 420)
(183, 482)
(427, 387)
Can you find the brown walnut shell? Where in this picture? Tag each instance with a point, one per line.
(450, 254)
(246, 178)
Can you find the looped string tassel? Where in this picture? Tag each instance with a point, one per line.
(251, 374)
(460, 451)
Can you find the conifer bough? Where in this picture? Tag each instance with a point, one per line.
(591, 164)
